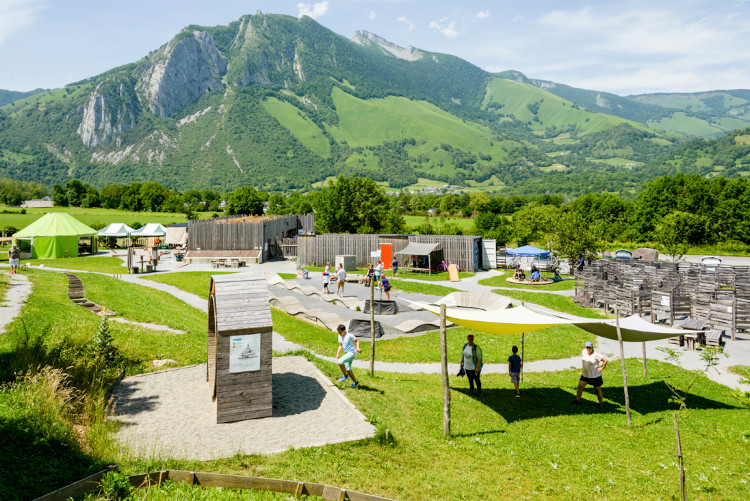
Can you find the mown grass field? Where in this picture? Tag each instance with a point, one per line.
(540, 444)
(94, 217)
(501, 281)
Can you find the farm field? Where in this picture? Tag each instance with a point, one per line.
(96, 217)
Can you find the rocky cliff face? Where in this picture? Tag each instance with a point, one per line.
(180, 73)
(111, 109)
(410, 53)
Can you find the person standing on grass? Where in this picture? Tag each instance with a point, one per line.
(341, 274)
(471, 362)
(346, 343)
(514, 369)
(14, 258)
(593, 365)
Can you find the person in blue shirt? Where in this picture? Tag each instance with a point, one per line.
(346, 343)
(514, 369)
(535, 275)
(386, 285)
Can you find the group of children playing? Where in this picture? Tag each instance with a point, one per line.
(376, 273)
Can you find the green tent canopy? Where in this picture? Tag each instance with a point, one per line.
(57, 232)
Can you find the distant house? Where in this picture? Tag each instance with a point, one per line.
(38, 203)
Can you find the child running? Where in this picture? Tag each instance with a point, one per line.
(346, 342)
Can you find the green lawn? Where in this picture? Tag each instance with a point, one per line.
(742, 370)
(501, 281)
(537, 444)
(194, 282)
(551, 343)
(95, 217)
(553, 301)
(421, 288)
(102, 264)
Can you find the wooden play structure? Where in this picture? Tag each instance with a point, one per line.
(718, 296)
(239, 347)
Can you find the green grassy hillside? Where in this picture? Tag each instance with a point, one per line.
(542, 110)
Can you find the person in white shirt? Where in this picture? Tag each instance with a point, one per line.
(341, 274)
(346, 343)
(593, 365)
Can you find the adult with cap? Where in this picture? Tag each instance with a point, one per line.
(471, 363)
(593, 365)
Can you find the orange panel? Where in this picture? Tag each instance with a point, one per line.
(386, 255)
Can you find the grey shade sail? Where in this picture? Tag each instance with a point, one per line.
(415, 249)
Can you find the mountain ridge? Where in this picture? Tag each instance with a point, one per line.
(279, 102)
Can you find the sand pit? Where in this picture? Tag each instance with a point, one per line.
(544, 281)
(170, 414)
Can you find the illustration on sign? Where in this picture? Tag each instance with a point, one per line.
(244, 353)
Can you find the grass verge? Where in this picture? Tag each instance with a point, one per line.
(100, 264)
(502, 282)
(502, 437)
(553, 301)
(194, 282)
(551, 343)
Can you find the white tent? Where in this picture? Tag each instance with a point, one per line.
(150, 230)
(117, 230)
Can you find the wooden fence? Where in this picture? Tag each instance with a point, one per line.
(247, 233)
(317, 250)
(298, 489)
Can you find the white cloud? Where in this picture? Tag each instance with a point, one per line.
(483, 14)
(409, 24)
(371, 14)
(314, 10)
(15, 15)
(445, 26)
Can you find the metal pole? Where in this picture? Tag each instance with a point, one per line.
(372, 326)
(520, 377)
(444, 371)
(622, 364)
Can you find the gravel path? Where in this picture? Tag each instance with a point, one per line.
(170, 414)
(18, 291)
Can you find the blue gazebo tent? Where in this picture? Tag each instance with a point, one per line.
(528, 251)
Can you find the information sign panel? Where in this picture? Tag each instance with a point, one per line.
(244, 353)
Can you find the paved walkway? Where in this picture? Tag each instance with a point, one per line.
(170, 414)
(18, 291)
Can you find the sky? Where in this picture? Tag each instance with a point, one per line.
(620, 46)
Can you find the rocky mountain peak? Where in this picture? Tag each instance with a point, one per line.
(410, 53)
(181, 72)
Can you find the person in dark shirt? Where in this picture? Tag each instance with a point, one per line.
(514, 369)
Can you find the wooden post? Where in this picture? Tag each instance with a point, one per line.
(683, 494)
(372, 326)
(645, 367)
(520, 376)
(444, 371)
(622, 364)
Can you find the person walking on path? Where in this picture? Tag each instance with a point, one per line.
(471, 362)
(394, 265)
(593, 365)
(341, 274)
(326, 281)
(346, 343)
(514, 369)
(14, 258)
